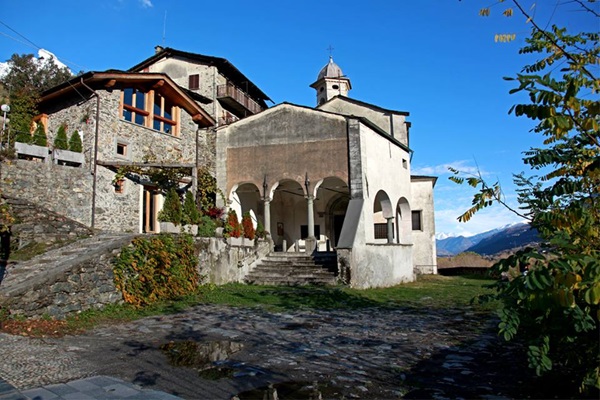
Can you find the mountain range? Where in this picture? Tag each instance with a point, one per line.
(491, 242)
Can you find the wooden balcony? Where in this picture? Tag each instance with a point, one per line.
(238, 100)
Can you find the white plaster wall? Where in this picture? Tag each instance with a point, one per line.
(382, 170)
(424, 258)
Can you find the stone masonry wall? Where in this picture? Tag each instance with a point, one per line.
(90, 284)
(83, 287)
(61, 189)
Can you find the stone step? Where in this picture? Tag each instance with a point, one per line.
(295, 269)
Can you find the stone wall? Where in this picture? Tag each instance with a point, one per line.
(90, 284)
(34, 225)
(82, 287)
(221, 263)
(61, 189)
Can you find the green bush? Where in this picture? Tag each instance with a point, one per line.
(161, 267)
(60, 141)
(75, 143)
(191, 215)
(171, 211)
(23, 137)
(206, 227)
(39, 136)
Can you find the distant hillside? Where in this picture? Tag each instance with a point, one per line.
(513, 237)
(457, 244)
(488, 243)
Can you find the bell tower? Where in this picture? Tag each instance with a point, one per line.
(331, 82)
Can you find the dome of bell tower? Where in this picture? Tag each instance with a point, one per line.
(330, 70)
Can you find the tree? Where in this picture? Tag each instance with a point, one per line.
(171, 211)
(39, 135)
(26, 79)
(75, 142)
(555, 306)
(60, 141)
(191, 214)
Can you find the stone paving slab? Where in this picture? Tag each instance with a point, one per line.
(94, 388)
(217, 352)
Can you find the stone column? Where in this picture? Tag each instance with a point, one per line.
(390, 230)
(267, 222)
(311, 241)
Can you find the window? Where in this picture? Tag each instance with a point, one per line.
(151, 110)
(381, 230)
(416, 221)
(163, 119)
(121, 149)
(134, 106)
(194, 82)
(404, 163)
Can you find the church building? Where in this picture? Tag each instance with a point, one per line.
(333, 178)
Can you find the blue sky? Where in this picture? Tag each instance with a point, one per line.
(436, 59)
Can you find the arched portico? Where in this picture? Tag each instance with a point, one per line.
(403, 222)
(245, 198)
(332, 197)
(383, 218)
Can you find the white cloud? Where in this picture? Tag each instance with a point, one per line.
(146, 3)
(442, 169)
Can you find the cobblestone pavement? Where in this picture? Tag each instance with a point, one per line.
(217, 352)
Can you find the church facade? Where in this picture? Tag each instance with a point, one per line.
(333, 178)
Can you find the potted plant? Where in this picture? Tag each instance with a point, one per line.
(67, 152)
(248, 226)
(170, 216)
(233, 229)
(190, 217)
(32, 146)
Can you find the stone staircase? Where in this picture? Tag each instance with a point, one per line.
(294, 269)
(73, 268)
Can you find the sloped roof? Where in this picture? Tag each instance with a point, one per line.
(222, 64)
(114, 79)
(364, 104)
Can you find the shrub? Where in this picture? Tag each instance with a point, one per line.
(39, 136)
(60, 141)
(191, 215)
(23, 137)
(261, 233)
(206, 226)
(248, 226)
(232, 227)
(161, 267)
(75, 142)
(171, 211)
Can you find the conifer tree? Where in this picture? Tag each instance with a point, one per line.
(39, 136)
(60, 141)
(75, 142)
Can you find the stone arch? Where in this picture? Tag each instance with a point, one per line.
(245, 197)
(383, 217)
(288, 213)
(332, 198)
(403, 222)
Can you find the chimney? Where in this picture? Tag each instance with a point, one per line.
(158, 49)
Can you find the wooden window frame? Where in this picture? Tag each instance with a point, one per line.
(148, 112)
(414, 226)
(194, 82)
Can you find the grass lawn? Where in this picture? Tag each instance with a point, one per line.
(429, 291)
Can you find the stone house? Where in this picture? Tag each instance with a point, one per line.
(231, 95)
(335, 177)
(123, 118)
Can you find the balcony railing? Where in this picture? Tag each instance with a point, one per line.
(228, 90)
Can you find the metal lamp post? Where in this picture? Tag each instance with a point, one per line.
(5, 109)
